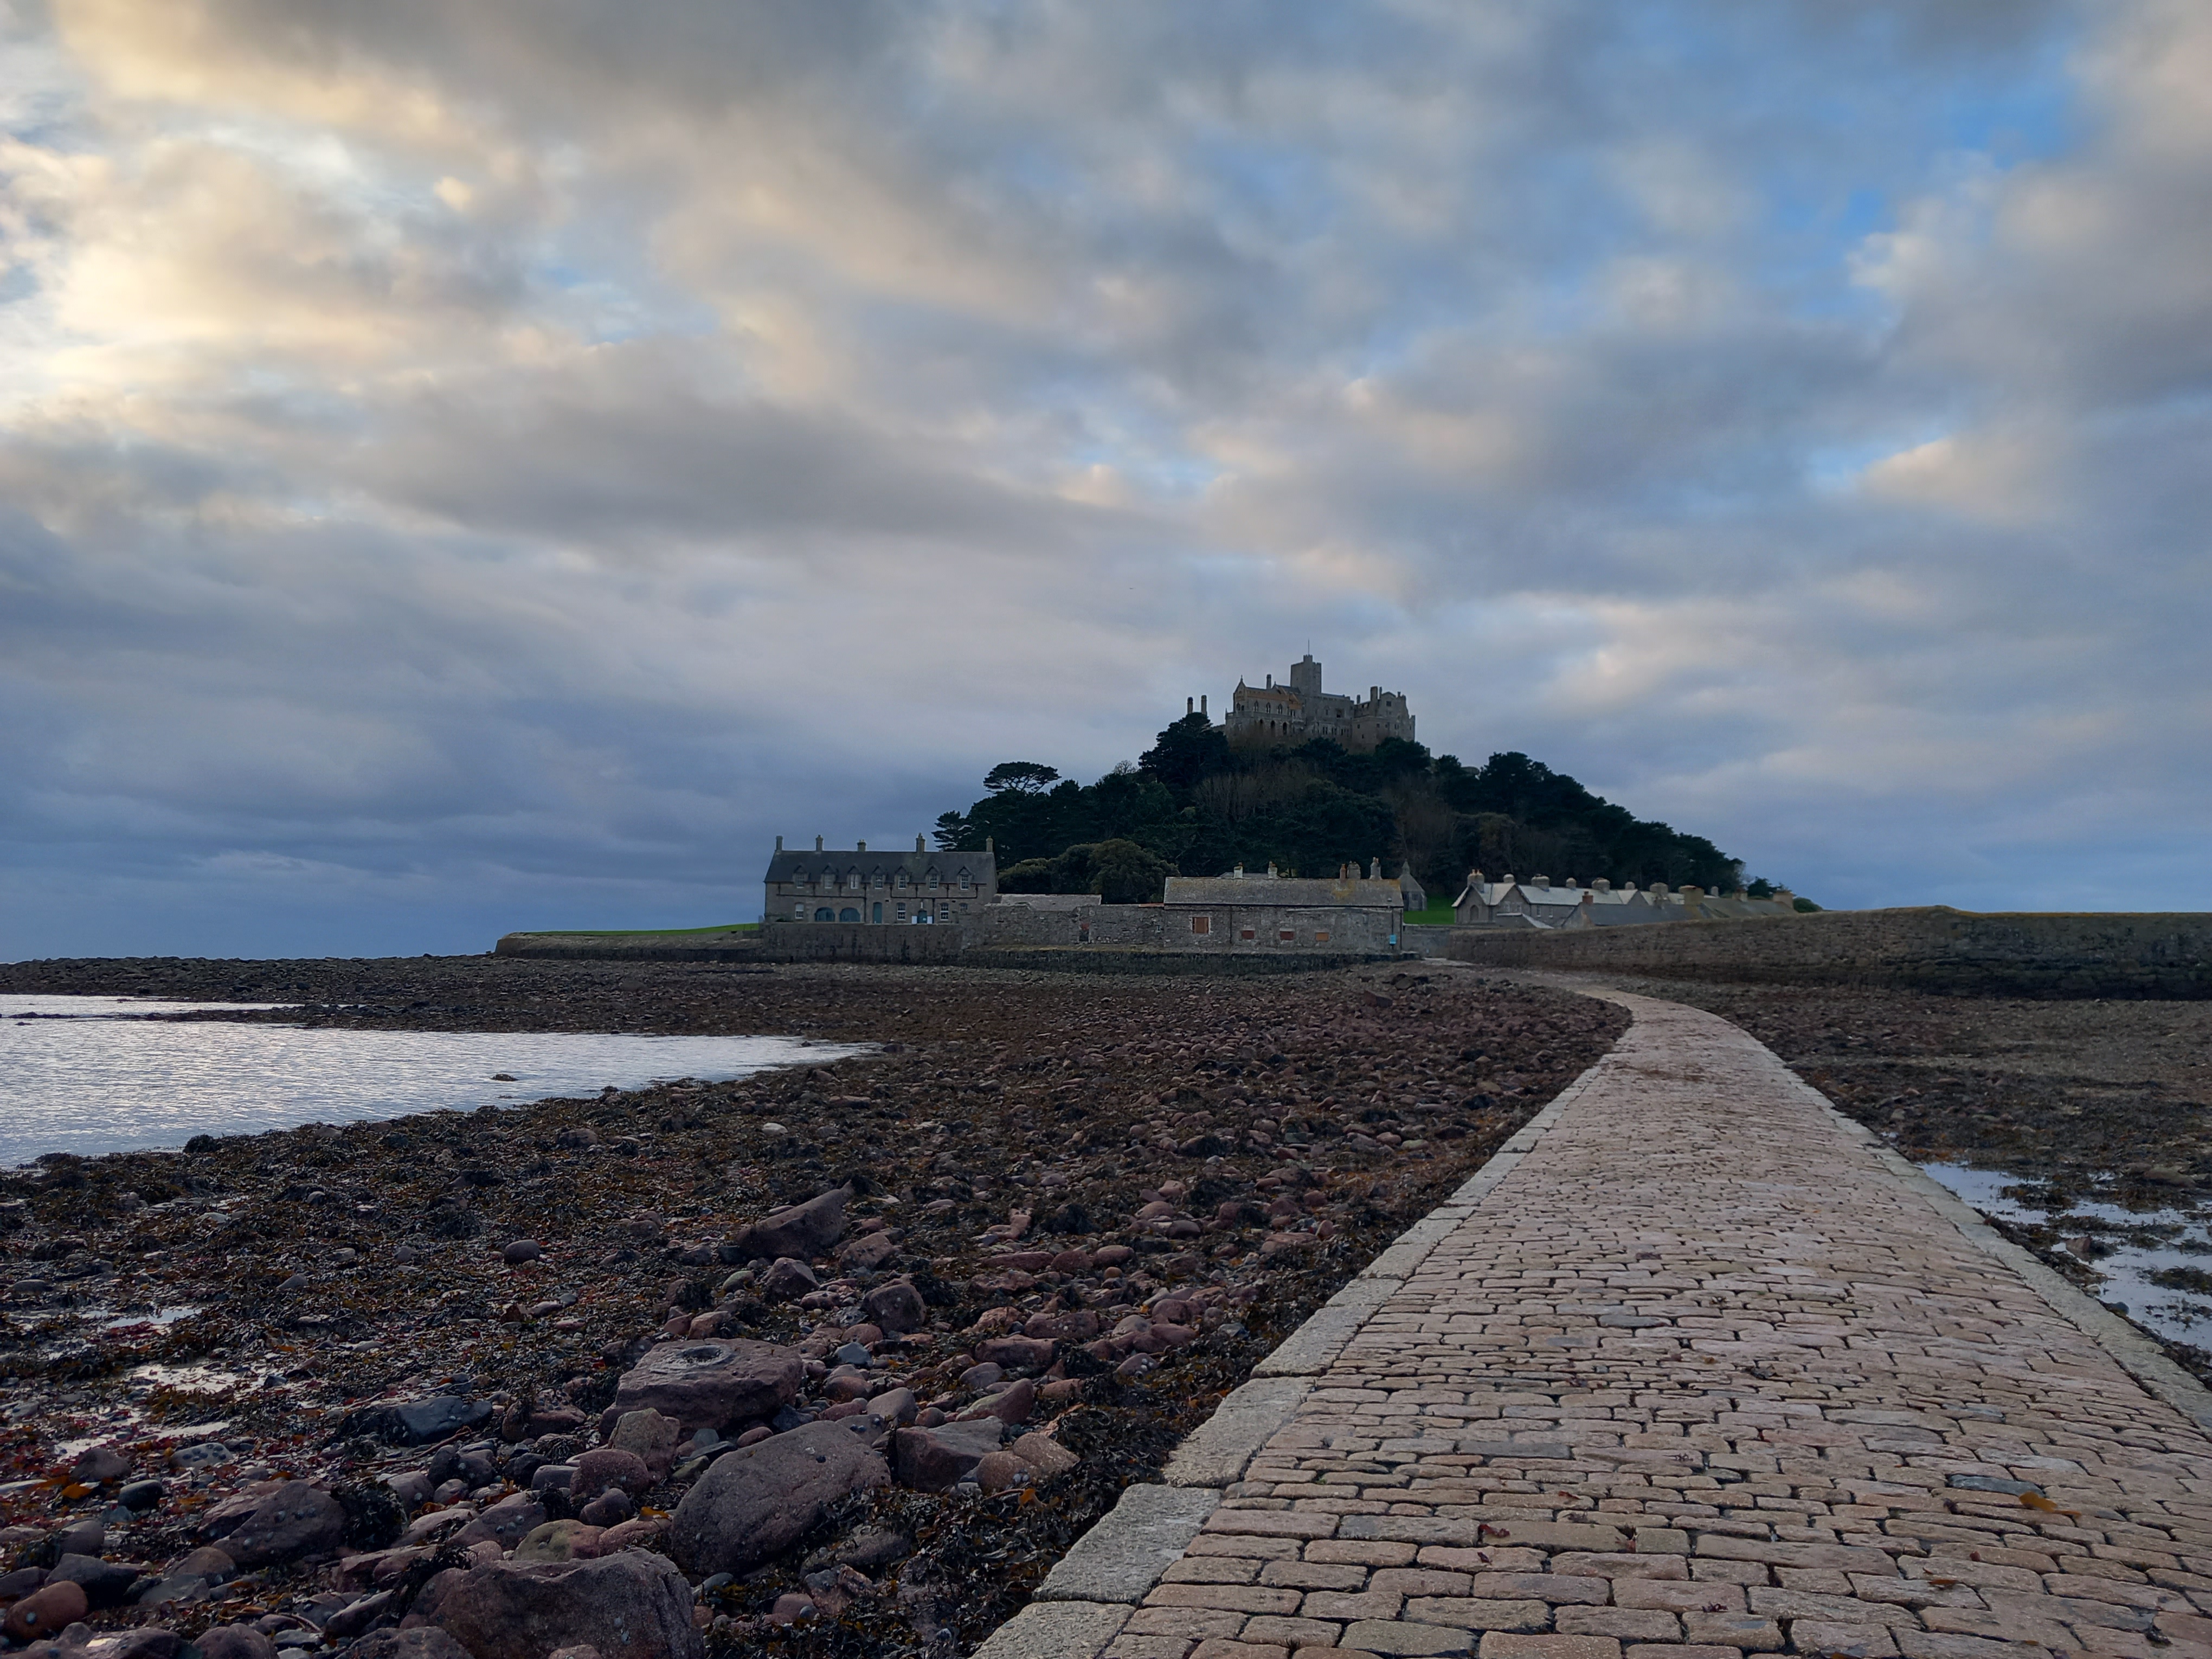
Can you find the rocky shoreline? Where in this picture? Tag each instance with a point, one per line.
(835, 1360)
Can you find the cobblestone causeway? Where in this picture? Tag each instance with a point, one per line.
(1701, 1377)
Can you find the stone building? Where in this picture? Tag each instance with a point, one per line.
(829, 885)
(1247, 912)
(1298, 711)
(1538, 902)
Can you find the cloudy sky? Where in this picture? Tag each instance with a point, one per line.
(474, 466)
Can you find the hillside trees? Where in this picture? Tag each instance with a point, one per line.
(1192, 804)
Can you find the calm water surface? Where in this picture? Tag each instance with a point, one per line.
(103, 1078)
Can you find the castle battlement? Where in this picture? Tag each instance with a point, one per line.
(1297, 710)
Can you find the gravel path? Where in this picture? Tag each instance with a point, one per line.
(1704, 1374)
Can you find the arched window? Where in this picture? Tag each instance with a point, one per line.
(823, 913)
(850, 913)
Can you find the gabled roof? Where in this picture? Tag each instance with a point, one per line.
(1294, 891)
(808, 866)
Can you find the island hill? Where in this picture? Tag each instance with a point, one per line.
(1303, 820)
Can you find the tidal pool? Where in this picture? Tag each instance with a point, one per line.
(95, 1074)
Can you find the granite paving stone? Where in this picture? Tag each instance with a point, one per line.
(1702, 1373)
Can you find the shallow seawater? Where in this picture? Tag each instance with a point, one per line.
(2183, 1242)
(93, 1074)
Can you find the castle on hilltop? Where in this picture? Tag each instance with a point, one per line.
(1298, 711)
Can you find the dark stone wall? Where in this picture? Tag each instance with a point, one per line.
(2028, 953)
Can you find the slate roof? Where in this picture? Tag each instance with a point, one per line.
(808, 866)
(1291, 891)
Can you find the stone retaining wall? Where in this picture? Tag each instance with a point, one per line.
(814, 941)
(2028, 953)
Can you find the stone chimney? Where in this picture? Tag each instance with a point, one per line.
(1201, 704)
(779, 843)
(1190, 706)
(917, 844)
(1375, 869)
(1271, 870)
(1602, 885)
(817, 843)
(1544, 882)
(860, 847)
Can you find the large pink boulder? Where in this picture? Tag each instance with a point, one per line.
(631, 1605)
(710, 1383)
(805, 1230)
(754, 1503)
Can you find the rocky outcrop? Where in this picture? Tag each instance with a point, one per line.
(631, 1605)
(709, 1384)
(757, 1501)
(294, 1519)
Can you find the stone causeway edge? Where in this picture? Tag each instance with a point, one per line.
(2135, 1353)
(1088, 1594)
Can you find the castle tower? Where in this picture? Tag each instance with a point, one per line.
(1305, 678)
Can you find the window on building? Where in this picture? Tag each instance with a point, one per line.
(823, 913)
(1320, 939)
(945, 909)
(1286, 936)
(850, 913)
(901, 911)
(965, 884)
(932, 881)
(1246, 933)
(798, 913)
(878, 911)
(1201, 924)
(902, 881)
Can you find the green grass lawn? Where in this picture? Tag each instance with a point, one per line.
(1437, 916)
(641, 932)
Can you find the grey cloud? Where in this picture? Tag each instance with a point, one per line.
(707, 463)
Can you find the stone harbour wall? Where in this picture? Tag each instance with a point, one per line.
(2028, 953)
(1347, 932)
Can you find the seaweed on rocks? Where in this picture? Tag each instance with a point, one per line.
(1090, 1205)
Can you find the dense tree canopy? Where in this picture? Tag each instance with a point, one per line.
(1192, 805)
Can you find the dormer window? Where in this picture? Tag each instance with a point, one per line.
(965, 883)
(933, 881)
(902, 881)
